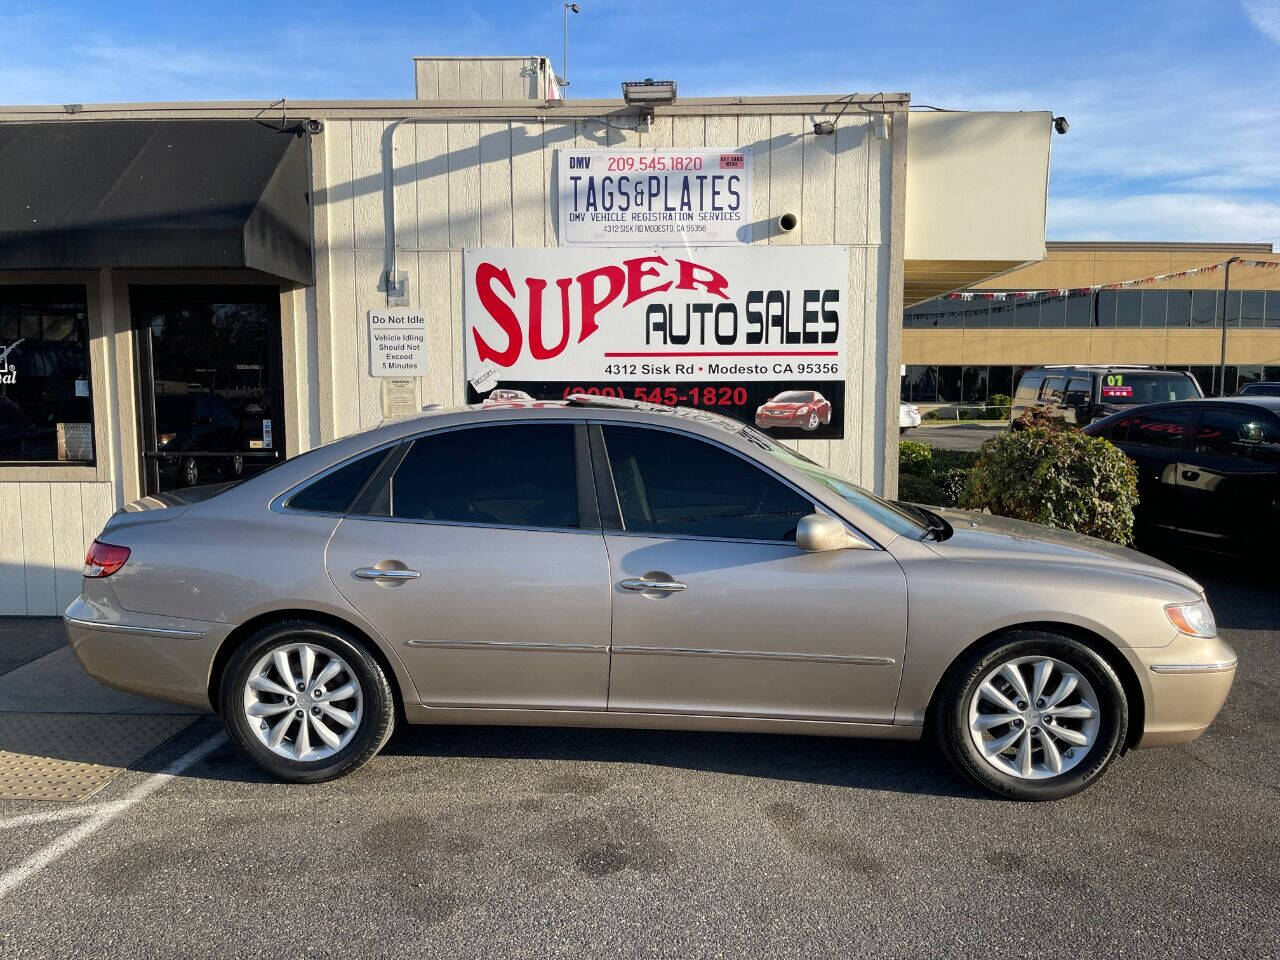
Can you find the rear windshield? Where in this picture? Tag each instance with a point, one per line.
(1146, 387)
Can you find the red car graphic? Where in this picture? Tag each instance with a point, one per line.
(805, 409)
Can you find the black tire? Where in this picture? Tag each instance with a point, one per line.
(189, 471)
(377, 716)
(950, 718)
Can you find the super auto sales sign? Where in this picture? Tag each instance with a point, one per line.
(757, 333)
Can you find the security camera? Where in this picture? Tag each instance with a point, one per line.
(1060, 124)
(824, 128)
(314, 126)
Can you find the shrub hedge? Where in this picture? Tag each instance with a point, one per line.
(1060, 478)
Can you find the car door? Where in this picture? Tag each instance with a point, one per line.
(481, 560)
(715, 609)
(1154, 439)
(1227, 475)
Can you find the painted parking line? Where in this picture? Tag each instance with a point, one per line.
(51, 816)
(13, 877)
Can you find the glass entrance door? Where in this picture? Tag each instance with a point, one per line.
(210, 382)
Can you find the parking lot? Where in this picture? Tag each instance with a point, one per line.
(505, 842)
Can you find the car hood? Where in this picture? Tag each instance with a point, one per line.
(782, 407)
(983, 536)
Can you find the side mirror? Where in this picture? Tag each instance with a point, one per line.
(818, 532)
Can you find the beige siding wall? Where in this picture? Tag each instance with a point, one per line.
(45, 529)
(481, 78)
(462, 183)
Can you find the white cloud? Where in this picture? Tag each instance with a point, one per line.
(1265, 15)
(1191, 216)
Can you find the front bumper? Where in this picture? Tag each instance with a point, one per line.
(1186, 684)
(160, 657)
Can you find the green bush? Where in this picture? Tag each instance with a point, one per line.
(1000, 406)
(1062, 479)
(914, 488)
(915, 457)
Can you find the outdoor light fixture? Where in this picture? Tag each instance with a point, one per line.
(650, 92)
(1060, 124)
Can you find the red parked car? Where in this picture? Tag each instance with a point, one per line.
(805, 409)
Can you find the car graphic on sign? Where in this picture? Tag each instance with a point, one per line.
(506, 396)
(803, 409)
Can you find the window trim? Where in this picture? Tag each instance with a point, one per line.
(607, 471)
(588, 512)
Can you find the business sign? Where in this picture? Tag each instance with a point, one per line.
(397, 343)
(660, 196)
(756, 333)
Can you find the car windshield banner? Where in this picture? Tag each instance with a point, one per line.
(756, 333)
(695, 195)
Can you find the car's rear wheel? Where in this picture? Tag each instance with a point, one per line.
(306, 702)
(1032, 715)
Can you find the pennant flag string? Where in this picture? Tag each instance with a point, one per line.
(1122, 285)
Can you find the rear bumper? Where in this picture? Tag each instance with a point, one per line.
(1187, 683)
(160, 657)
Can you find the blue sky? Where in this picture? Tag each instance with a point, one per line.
(1174, 106)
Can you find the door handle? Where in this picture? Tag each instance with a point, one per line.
(373, 573)
(1190, 474)
(641, 585)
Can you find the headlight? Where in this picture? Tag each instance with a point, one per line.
(1195, 619)
(802, 411)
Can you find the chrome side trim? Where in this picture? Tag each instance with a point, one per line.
(1218, 666)
(172, 634)
(508, 645)
(756, 655)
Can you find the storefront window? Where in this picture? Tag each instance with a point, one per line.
(46, 411)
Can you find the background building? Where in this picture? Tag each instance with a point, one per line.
(964, 351)
(188, 290)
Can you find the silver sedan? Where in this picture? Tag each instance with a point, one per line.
(599, 563)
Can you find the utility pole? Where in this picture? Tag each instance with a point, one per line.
(1222, 361)
(563, 80)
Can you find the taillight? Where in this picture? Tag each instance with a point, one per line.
(104, 559)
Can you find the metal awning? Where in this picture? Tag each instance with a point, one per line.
(220, 194)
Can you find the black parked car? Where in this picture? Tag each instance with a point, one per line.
(1209, 467)
(1078, 395)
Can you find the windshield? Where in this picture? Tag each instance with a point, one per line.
(895, 517)
(1133, 388)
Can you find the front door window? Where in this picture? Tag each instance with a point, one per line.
(209, 366)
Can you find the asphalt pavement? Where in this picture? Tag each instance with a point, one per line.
(955, 436)
(524, 842)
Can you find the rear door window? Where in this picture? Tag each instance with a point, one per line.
(507, 475)
(1160, 428)
(669, 484)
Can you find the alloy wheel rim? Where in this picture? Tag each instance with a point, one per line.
(303, 702)
(1034, 717)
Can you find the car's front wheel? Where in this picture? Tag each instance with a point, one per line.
(1032, 715)
(306, 702)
